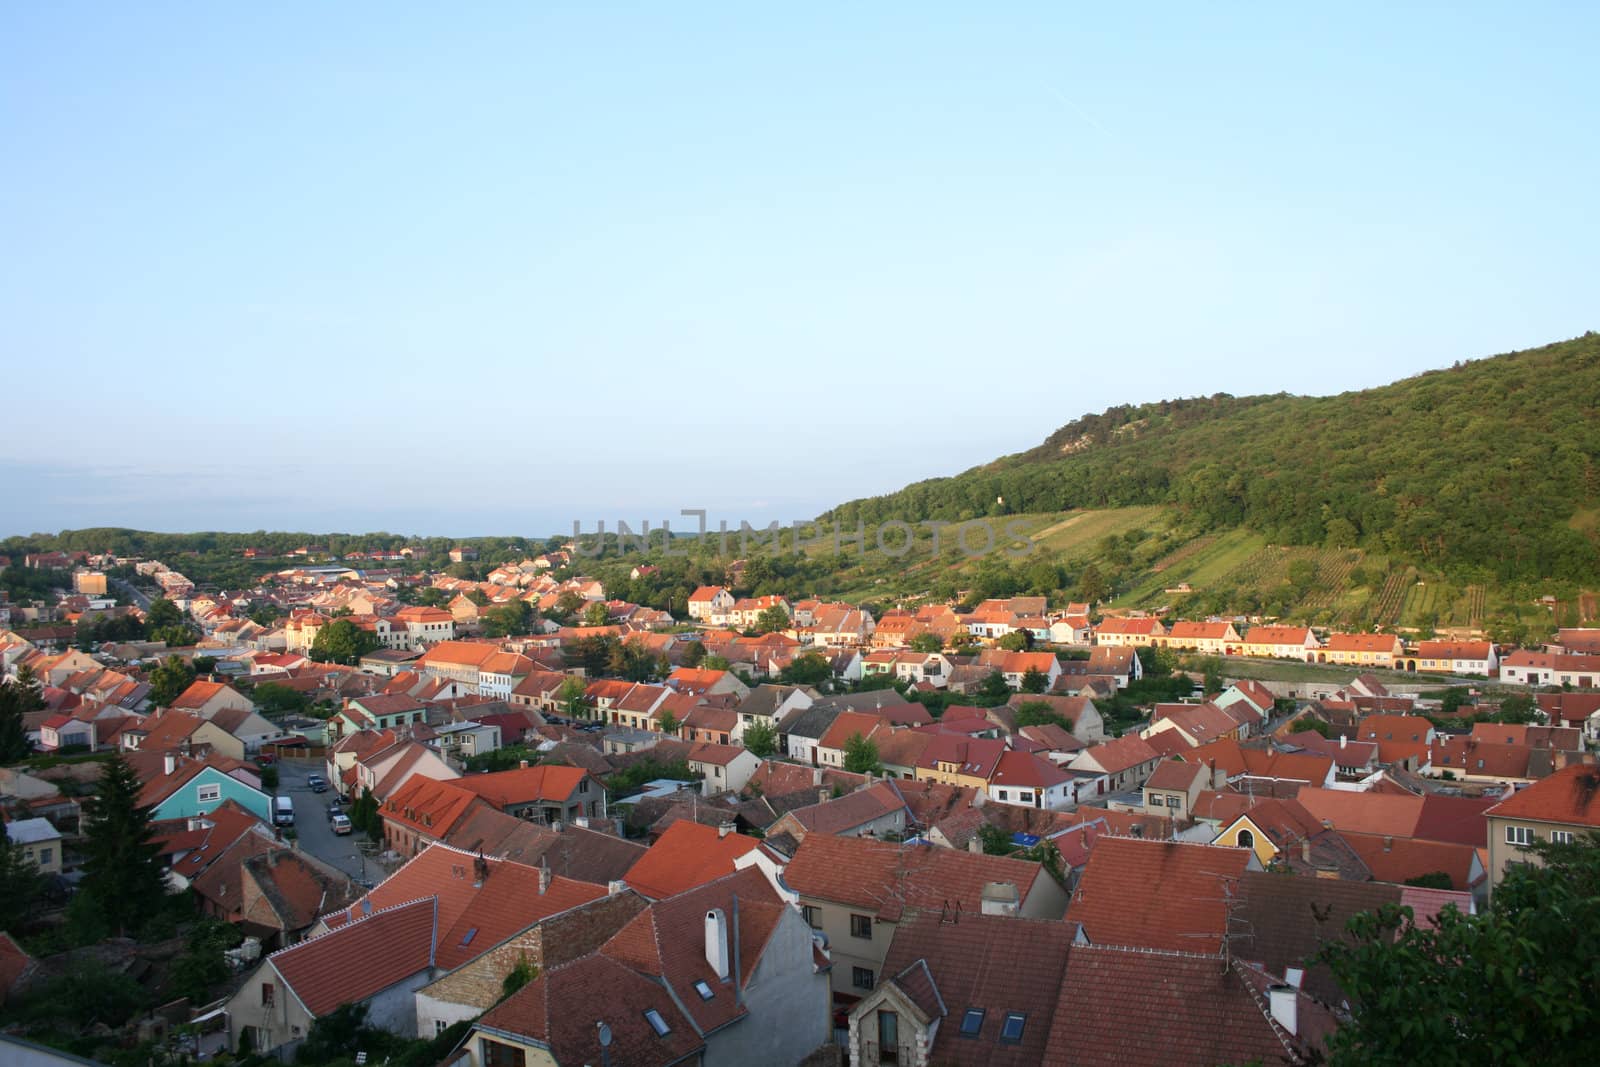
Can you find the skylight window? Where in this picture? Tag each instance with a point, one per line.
(972, 1022)
(470, 934)
(657, 1023)
(704, 991)
(1011, 1032)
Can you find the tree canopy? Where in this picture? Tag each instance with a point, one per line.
(1514, 983)
(122, 866)
(342, 641)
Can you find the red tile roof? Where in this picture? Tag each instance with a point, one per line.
(522, 785)
(889, 879)
(1398, 859)
(608, 991)
(1157, 894)
(477, 906)
(995, 964)
(1367, 813)
(363, 959)
(1122, 1008)
(1571, 795)
(687, 855)
(429, 806)
(1024, 770)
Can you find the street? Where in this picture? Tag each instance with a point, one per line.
(312, 832)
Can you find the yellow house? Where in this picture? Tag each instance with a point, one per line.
(960, 761)
(1269, 828)
(40, 843)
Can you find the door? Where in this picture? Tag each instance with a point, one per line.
(888, 1037)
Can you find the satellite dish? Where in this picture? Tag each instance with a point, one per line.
(605, 1034)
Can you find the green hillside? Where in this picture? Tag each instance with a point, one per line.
(1485, 473)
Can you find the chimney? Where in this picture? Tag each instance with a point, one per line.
(1343, 740)
(544, 877)
(1219, 777)
(1285, 1007)
(170, 762)
(366, 906)
(480, 870)
(615, 886)
(724, 829)
(975, 845)
(1305, 851)
(816, 776)
(523, 764)
(717, 942)
(1295, 976)
(822, 796)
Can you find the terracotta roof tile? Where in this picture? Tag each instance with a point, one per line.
(891, 879)
(687, 855)
(1157, 894)
(370, 955)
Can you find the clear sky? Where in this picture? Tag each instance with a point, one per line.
(488, 268)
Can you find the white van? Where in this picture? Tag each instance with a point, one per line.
(283, 811)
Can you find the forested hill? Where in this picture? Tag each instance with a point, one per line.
(1490, 467)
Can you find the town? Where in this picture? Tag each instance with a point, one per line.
(368, 808)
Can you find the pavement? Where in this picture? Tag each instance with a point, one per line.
(351, 853)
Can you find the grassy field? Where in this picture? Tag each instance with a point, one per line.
(1286, 670)
(1079, 533)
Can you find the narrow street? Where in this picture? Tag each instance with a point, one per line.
(351, 853)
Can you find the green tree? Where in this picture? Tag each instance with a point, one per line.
(277, 700)
(1034, 681)
(122, 867)
(694, 653)
(861, 755)
(993, 690)
(21, 885)
(15, 702)
(772, 620)
(169, 679)
(1516, 708)
(342, 641)
(761, 738)
(570, 696)
(1453, 698)
(596, 615)
(162, 613)
(203, 967)
(1016, 641)
(1510, 984)
(808, 668)
(511, 619)
(1092, 586)
(926, 642)
(1040, 713)
(668, 723)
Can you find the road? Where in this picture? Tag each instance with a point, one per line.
(311, 827)
(140, 599)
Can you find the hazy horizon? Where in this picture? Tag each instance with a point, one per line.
(489, 271)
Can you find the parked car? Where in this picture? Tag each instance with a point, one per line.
(317, 783)
(340, 824)
(335, 807)
(266, 759)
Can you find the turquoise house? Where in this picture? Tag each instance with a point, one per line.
(198, 788)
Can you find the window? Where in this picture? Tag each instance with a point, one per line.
(813, 916)
(1011, 1032)
(704, 991)
(208, 794)
(46, 854)
(583, 785)
(1557, 837)
(266, 993)
(861, 977)
(657, 1023)
(861, 926)
(1519, 835)
(972, 1022)
(494, 1054)
(1246, 839)
(439, 1027)
(1001, 793)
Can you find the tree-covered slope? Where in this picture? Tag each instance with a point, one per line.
(1489, 467)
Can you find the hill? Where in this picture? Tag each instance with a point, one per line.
(1484, 472)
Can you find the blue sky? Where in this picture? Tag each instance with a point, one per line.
(490, 270)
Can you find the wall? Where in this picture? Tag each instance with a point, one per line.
(477, 985)
(850, 951)
(789, 1004)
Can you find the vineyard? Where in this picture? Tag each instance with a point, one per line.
(1183, 553)
(1391, 599)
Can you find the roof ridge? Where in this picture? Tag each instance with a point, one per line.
(346, 926)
